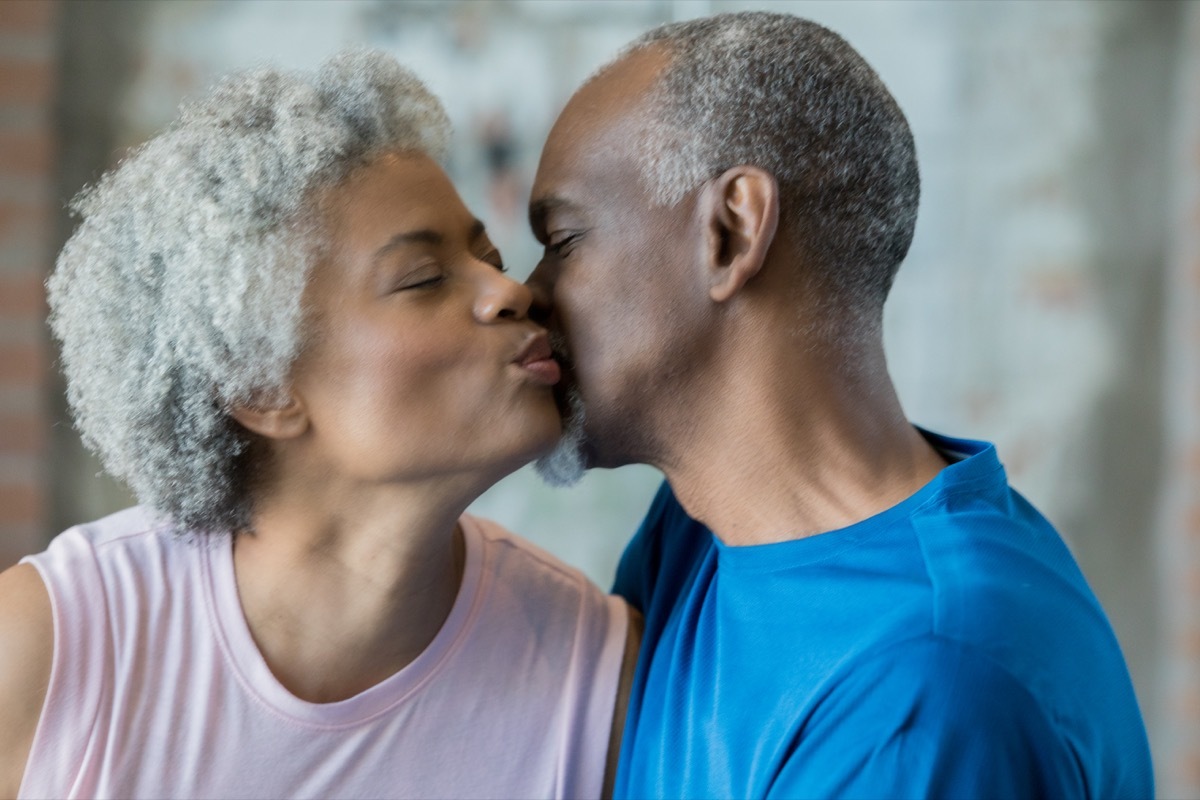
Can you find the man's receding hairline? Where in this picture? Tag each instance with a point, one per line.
(638, 103)
(791, 97)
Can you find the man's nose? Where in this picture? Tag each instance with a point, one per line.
(541, 288)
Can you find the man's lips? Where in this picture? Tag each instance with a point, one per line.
(558, 347)
(537, 359)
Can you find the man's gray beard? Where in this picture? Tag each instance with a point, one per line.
(564, 465)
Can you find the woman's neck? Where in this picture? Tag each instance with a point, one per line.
(344, 586)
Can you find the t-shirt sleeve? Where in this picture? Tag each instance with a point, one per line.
(929, 718)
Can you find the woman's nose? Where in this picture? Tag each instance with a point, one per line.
(500, 297)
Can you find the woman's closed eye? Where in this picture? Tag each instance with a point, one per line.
(427, 276)
(436, 280)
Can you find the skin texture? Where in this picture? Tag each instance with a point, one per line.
(404, 407)
(26, 648)
(223, 308)
(691, 332)
(420, 325)
(615, 275)
(405, 404)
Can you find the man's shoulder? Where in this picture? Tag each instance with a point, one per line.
(959, 717)
(925, 666)
(1010, 616)
(1002, 579)
(928, 715)
(655, 566)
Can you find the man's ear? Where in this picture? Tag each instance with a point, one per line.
(281, 416)
(741, 207)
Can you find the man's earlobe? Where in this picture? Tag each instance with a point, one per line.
(280, 416)
(742, 205)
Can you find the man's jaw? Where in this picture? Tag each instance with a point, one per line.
(566, 463)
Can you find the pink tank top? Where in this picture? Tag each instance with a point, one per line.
(158, 691)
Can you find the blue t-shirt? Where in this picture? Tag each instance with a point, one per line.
(946, 647)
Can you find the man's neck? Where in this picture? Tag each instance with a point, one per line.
(784, 456)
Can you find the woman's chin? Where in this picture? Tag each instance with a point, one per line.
(549, 434)
(541, 436)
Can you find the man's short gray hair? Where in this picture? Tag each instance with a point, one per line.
(793, 98)
(179, 294)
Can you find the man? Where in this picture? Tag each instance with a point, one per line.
(836, 603)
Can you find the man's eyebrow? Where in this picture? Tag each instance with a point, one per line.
(425, 236)
(541, 208)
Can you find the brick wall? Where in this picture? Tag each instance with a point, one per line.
(27, 85)
(1179, 767)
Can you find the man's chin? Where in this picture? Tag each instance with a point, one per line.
(566, 463)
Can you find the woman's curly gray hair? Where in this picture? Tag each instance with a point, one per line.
(179, 293)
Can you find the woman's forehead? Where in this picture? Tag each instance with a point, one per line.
(395, 193)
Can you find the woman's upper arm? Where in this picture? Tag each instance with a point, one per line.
(26, 653)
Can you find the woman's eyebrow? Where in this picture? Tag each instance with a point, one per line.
(425, 236)
(422, 236)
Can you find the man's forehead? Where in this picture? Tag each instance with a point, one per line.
(619, 91)
(632, 74)
(598, 127)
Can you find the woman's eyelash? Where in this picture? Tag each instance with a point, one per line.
(425, 284)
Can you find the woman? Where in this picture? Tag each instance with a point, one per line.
(283, 328)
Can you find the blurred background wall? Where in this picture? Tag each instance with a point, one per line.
(1050, 303)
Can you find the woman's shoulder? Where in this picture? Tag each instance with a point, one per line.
(114, 568)
(507, 551)
(125, 538)
(119, 527)
(533, 601)
(535, 577)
